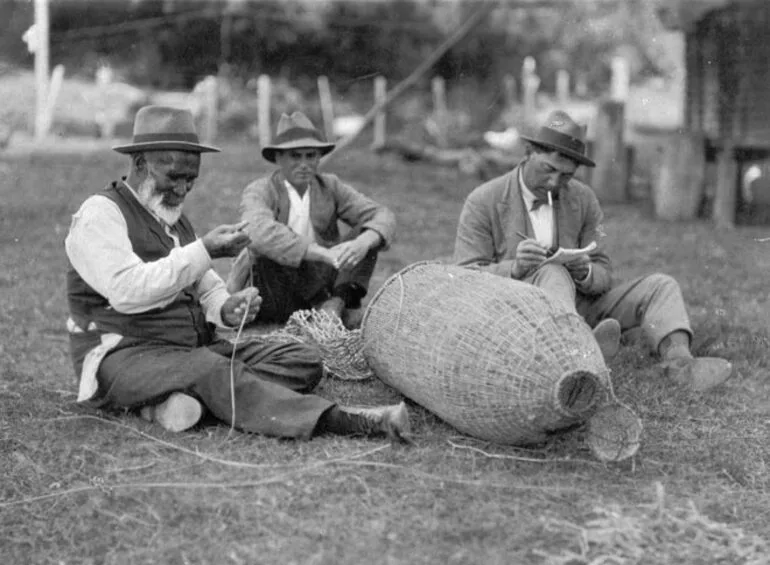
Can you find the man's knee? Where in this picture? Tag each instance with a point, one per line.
(662, 287)
(553, 277)
(303, 361)
(554, 270)
(661, 281)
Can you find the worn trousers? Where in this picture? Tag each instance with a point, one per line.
(285, 289)
(269, 382)
(653, 303)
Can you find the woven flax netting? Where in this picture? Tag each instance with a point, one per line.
(495, 358)
(340, 348)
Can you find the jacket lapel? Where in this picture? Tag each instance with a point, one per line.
(322, 206)
(278, 181)
(512, 213)
(569, 218)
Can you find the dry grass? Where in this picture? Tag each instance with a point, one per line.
(93, 487)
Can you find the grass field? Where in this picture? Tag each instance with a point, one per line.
(89, 487)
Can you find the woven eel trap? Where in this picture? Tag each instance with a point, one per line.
(495, 358)
(340, 348)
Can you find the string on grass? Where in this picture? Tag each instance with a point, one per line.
(519, 458)
(98, 483)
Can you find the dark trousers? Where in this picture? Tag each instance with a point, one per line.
(269, 382)
(285, 290)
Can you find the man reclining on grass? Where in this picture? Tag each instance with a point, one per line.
(144, 299)
(298, 257)
(511, 224)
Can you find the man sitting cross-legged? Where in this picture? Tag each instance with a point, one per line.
(144, 301)
(298, 256)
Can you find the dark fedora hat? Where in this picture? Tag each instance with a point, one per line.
(158, 128)
(561, 133)
(296, 132)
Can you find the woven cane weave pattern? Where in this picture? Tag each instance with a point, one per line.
(340, 348)
(495, 358)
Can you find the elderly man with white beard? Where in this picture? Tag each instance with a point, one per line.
(144, 303)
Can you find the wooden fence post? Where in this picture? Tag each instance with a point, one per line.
(678, 189)
(609, 153)
(263, 109)
(509, 90)
(562, 87)
(727, 183)
(42, 66)
(210, 109)
(54, 87)
(380, 95)
(438, 88)
(621, 81)
(530, 84)
(327, 106)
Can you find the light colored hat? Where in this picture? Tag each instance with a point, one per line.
(561, 133)
(160, 127)
(295, 132)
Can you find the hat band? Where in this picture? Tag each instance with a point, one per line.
(293, 134)
(553, 137)
(152, 137)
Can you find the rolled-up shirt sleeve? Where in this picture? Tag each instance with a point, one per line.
(213, 294)
(99, 249)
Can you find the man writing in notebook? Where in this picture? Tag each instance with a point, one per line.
(512, 224)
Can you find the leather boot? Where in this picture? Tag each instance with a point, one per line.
(698, 373)
(389, 421)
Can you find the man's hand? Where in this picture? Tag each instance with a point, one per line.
(348, 254)
(226, 240)
(320, 253)
(579, 267)
(529, 256)
(246, 301)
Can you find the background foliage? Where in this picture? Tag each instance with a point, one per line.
(173, 44)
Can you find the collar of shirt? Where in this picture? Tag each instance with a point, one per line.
(292, 190)
(527, 194)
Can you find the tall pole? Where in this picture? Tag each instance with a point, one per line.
(41, 68)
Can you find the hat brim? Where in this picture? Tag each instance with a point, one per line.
(269, 151)
(165, 146)
(579, 157)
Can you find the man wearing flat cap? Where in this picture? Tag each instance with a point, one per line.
(144, 302)
(298, 258)
(512, 224)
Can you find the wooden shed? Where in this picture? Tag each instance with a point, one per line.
(727, 95)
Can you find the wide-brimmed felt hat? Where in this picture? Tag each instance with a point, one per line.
(158, 128)
(296, 131)
(561, 133)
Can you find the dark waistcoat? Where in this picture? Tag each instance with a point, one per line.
(182, 322)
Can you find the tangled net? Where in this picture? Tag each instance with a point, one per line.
(341, 348)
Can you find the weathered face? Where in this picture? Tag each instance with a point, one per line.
(299, 166)
(173, 174)
(547, 171)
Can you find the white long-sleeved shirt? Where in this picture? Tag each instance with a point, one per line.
(299, 211)
(100, 251)
(541, 219)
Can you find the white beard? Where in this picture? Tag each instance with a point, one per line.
(154, 202)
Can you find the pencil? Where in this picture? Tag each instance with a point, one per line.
(521, 234)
